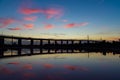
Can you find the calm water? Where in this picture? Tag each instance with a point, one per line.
(74, 66)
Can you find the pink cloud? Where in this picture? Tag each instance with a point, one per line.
(17, 28)
(4, 22)
(83, 24)
(30, 18)
(48, 65)
(28, 66)
(49, 26)
(72, 25)
(28, 11)
(28, 26)
(51, 12)
(64, 20)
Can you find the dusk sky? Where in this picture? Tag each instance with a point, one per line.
(64, 19)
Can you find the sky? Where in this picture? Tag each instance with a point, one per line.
(63, 19)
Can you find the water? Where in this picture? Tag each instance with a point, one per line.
(64, 66)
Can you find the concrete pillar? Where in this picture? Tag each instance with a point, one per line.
(31, 42)
(19, 51)
(67, 43)
(19, 42)
(79, 42)
(55, 46)
(61, 46)
(31, 51)
(1, 41)
(31, 46)
(1, 46)
(72, 48)
(19, 46)
(41, 46)
(72, 42)
(48, 46)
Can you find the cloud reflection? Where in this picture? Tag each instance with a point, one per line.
(29, 75)
(6, 70)
(70, 67)
(28, 66)
(48, 66)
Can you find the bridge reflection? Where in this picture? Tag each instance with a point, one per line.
(32, 46)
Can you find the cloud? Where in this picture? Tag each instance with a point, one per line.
(49, 12)
(28, 11)
(30, 18)
(72, 25)
(48, 66)
(83, 24)
(28, 26)
(48, 26)
(64, 20)
(4, 22)
(16, 28)
(52, 12)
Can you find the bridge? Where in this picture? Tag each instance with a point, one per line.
(49, 45)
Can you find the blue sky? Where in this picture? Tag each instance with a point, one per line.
(61, 18)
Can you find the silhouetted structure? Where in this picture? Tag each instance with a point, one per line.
(56, 45)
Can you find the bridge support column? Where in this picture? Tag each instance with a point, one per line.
(1, 46)
(79, 42)
(67, 43)
(72, 48)
(31, 46)
(19, 46)
(61, 46)
(56, 46)
(41, 45)
(48, 46)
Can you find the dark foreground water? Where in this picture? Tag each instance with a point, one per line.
(64, 66)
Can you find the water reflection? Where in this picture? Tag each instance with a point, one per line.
(61, 67)
(24, 51)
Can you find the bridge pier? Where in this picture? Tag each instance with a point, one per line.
(1, 46)
(72, 43)
(31, 46)
(61, 46)
(41, 45)
(48, 46)
(67, 43)
(19, 46)
(56, 47)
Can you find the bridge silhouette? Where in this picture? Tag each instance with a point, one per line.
(55, 45)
